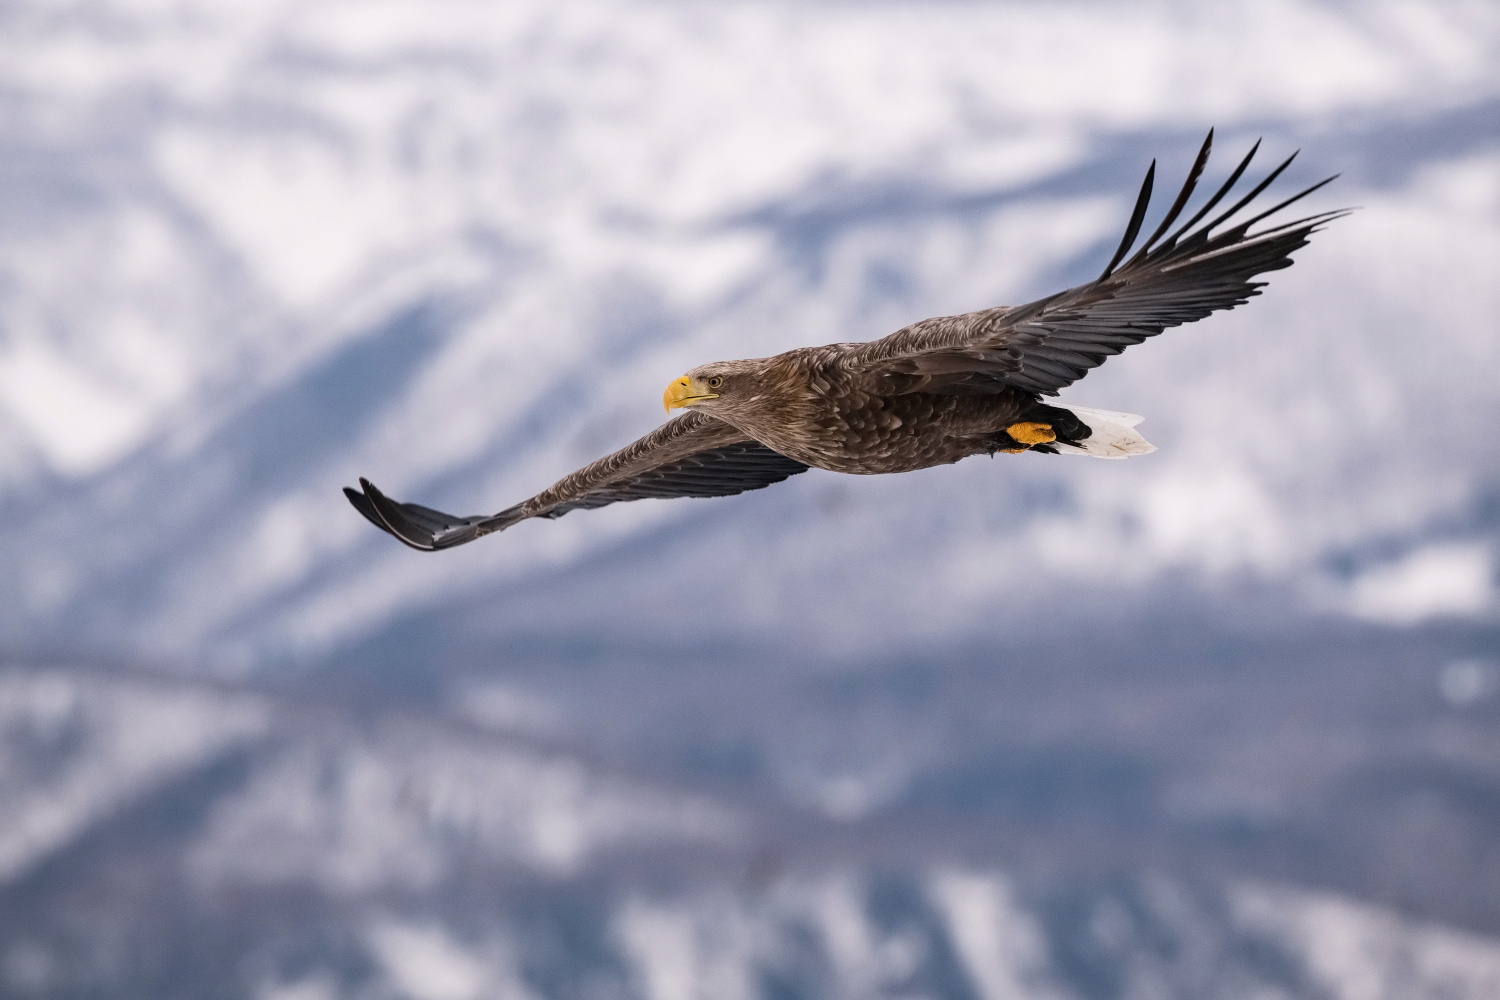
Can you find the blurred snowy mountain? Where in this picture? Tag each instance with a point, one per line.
(250, 253)
(173, 839)
(1236, 732)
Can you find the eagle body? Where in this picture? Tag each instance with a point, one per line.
(806, 405)
(933, 393)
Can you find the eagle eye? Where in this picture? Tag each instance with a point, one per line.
(715, 381)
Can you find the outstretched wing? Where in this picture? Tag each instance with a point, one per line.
(694, 455)
(1048, 344)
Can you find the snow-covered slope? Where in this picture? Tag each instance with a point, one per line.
(249, 845)
(251, 252)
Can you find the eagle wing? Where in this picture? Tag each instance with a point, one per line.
(693, 455)
(1052, 342)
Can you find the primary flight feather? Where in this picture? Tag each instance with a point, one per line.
(930, 394)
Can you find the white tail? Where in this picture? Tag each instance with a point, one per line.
(1114, 434)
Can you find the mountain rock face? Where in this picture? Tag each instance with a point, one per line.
(1236, 734)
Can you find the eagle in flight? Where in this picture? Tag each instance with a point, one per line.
(935, 392)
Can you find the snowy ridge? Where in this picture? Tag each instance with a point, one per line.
(436, 859)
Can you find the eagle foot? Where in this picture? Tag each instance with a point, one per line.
(1031, 433)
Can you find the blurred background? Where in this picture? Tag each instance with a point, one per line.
(1220, 722)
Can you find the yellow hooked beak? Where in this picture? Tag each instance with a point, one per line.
(685, 392)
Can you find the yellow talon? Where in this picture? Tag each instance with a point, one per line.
(1029, 433)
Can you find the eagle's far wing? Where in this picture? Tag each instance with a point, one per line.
(693, 455)
(1052, 342)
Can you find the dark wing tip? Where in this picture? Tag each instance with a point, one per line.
(362, 504)
(1136, 218)
(394, 519)
(1188, 186)
(417, 526)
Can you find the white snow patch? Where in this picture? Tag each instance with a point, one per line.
(1001, 944)
(1357, 951)
(109, 741)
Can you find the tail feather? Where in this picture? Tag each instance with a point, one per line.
(1112, 434)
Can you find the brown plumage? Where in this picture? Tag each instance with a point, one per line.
(930, 394)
